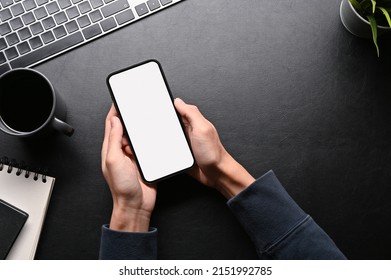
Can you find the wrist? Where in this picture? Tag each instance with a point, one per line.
(233, 177)
(130, 220)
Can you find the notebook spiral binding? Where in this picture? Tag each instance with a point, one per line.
(9, 165)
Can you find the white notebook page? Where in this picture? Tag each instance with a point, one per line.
(31, 196)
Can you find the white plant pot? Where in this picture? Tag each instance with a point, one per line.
(356, 24)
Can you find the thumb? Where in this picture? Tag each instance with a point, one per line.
(180, 105)
(189, 113)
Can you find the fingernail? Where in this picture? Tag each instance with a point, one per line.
(179, 100)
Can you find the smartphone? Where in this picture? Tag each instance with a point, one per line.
(153, 127)
(12, 221)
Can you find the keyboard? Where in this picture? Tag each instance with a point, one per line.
(32, 31)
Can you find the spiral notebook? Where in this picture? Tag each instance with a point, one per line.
(29, 191)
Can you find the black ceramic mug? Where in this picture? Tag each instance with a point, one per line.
(30, 106)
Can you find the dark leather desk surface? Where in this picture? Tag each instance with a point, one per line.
(288, 89)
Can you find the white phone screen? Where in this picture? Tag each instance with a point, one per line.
(151, 122)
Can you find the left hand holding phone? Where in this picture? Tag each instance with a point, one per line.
(215, 167)
(133, 200)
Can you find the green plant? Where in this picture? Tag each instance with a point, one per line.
(377, 12)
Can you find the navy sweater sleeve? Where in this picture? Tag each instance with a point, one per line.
(121, 245)
(278, 227)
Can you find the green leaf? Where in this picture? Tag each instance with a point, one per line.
(386, 14)
(373, 6)
(356, 5)
(366, 7)
(388, 10)
(373, 23)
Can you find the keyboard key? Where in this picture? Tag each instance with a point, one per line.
(108, 24)
(153, 4)
(46, 51)
(165, 2)
(84, 7)
(5, 28)
(71, 26)
(95, 16)
(52, 8)
(29, 5)
(23, 48)
(6, 3)
(115, 7)
(64, 3)
(16, 23)
(4, 68)
(5, 14)
(48, 23)
(12, 39)
(60, 18)
(141, 9)
(28, 18)
(83, 21)
(36, 28)
(76, 1)
(40, 13)
(35, 42)
(41, 2)
(24, 33)
(96, 3)
(17, 9)
(2, 58)
(108, 1)
(124, 17)
(11, 53)
(72, 12)
(3, 44)
(92, 31)
(59, 32)
(47, 37)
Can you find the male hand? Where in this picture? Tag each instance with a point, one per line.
(215, 166)
(133, 200)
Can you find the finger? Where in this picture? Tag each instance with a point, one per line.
(128, 151)
(125, 142)
(111, 113)
(126, 147)
(114, 147)
(189, 113)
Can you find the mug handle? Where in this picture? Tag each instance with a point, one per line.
(63, 127)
